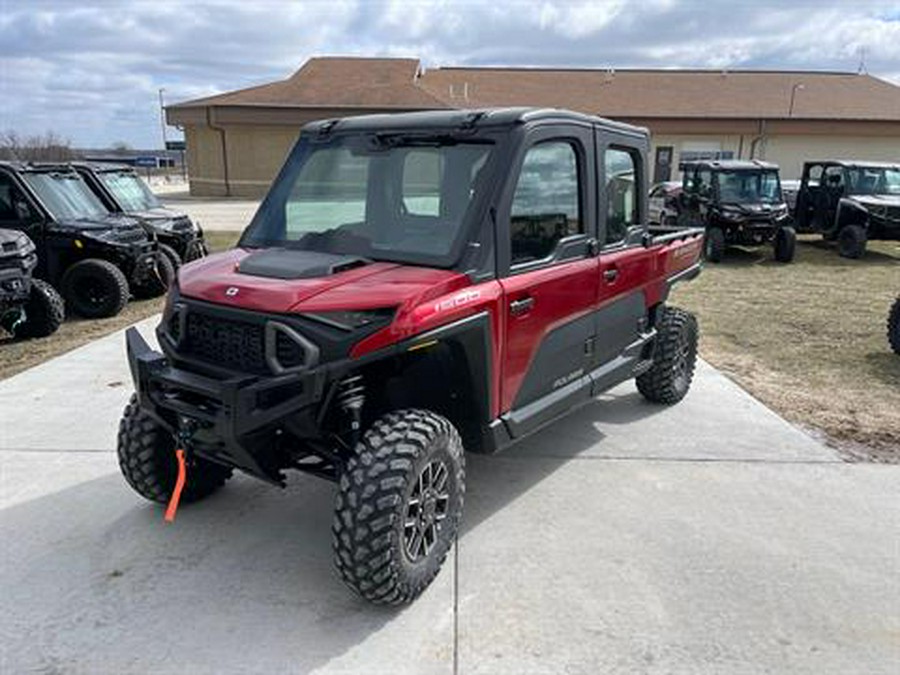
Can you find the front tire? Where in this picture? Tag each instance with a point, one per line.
(785, 244)
(398, 506)
(156, 284)
(893, 326)
(146, 454)
(714, 245)
(674, 358)
(44, 312)
(95, 289)
(852, 241)
(172, 255)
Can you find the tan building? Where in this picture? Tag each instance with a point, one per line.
(237, 141)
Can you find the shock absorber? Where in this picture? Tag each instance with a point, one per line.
(351, 395)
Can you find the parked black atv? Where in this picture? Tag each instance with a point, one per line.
(121, 190)
(28, 307)
(850, 202)
(893, 326)
(739, 202)
(95, 258)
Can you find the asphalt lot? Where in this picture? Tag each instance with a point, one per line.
(213, 213)
(711, 537)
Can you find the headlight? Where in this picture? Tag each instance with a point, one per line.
(352, 320)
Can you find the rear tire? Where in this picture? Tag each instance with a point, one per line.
(95, 289)
(44, 311)
(714, 244)
(146, 454)
(852, 241)
(785, 244)
(157, 284)
(893, 326)
(398, 506)
(674, 358)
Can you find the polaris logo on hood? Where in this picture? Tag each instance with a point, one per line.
(232, 291)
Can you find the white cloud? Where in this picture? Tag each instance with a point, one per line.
(91, 70)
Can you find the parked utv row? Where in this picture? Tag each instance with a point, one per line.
(96, 234)
(744, 202)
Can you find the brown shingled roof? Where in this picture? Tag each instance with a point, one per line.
(337, 82)
(385, 83)
(672, 93)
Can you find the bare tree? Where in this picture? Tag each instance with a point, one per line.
(49, 147)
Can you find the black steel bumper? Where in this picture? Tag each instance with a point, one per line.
(227, 411)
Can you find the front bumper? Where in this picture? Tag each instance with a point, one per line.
(189, 245)
(230, 412)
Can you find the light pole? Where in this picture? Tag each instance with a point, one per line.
(798, 86)
(162, 117)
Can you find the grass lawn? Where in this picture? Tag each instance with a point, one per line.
(808, 339)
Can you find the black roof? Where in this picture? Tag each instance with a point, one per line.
(476, 118)
(36, 166)
(729, 164)
(101, 167)
(857, 163)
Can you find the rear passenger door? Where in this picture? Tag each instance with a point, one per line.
(621, 315)
(548, 262)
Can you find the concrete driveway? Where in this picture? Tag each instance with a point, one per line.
(711, 537)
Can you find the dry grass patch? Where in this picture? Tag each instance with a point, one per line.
(16, 356)
(809, 339)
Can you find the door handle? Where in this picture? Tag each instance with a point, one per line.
(521, 306)
(611, 274)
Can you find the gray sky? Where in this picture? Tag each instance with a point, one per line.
(90, 69)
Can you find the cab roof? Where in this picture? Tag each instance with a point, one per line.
(465, 119)
(856, 163)
(729, 164)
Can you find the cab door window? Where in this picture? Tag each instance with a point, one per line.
(621, 194)
(546, 206)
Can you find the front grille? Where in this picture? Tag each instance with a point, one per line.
(227, 343)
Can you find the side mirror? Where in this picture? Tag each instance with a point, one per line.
(23, 211)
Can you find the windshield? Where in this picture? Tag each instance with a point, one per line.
(385, 197)
(129, 190)
(873, 181)
(65, 195)
(748, 187)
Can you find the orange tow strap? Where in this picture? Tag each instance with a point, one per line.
(179, 486)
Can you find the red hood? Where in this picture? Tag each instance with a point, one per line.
(373, 286)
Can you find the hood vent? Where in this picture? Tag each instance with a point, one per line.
(279, 263)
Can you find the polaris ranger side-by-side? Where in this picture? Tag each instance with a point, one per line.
(850, 202)
(95, 258)
(121, 190)
(738, 202)
(412, 286)
(28, 307)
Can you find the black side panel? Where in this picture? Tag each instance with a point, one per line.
(618, 324)
(279, 263)
(561, 358)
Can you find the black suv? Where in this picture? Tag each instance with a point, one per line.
(850, 202)
(28, 307)
(95, 258)
(121, 190)
(739, 202)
